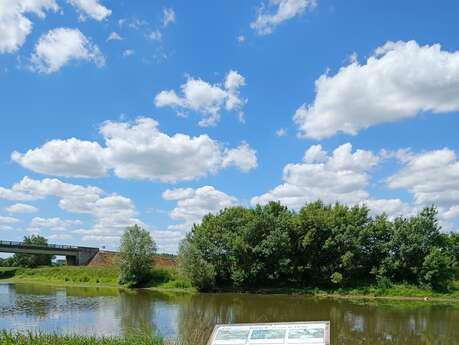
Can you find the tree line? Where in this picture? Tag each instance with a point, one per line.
(321, 245)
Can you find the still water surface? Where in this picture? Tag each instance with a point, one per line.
(99, 311)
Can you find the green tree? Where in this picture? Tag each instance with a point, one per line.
(32, 260)
(193, 266)
(411, 240)
(437, 270)
(320, 246)
(136, 251)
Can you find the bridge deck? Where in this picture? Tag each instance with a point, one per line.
(81, 255)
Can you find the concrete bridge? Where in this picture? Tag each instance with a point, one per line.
(75, 256)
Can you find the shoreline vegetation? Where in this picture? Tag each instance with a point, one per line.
(47, 339)
(322, 250)
(336, 249)
(166, 279)
(87, 276)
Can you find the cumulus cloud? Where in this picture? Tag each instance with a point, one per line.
(391, 207)
(341, 176)
(111, 214)
(141, 151)
(205, 98)
(267, 21)
(91, 8)
(15, 26)
(21, 208)
(400, 80)
(193, 204)
(168, 16)
(70, 158)
(432, 178)
(137, 150)
(243, 157)
(60, 46)
(55, 223)
(8, 220)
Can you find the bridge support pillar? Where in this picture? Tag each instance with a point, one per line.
(85, 255)
(71, 260)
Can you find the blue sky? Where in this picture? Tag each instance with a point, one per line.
(158, 112)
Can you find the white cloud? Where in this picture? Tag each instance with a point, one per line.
(432, 178)
(111, 214)
(265, 23)
(60, 46)
(281, 132)
(240, 39)
(15, 26)
(205, 98)
(155, 35)
(242, 156)
(168, 16)
(55, 223)
(193, 204)
(341, 176)
(21, 208)
(400, 80)
(8, 220)
(135, 151)
(70, 158)
(167, 240)
(128, 52)
(91, 8)
(391, 207)
(141, 151)
(114, 36)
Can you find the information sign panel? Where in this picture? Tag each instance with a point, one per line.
(285, 333)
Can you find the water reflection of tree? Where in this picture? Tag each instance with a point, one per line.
(394, 325)
(352, 324)
(136, 309)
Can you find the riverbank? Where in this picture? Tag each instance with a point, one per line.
(167, 279)
(43, 339)
(85, 276)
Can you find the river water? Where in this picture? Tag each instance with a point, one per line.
(191, 317)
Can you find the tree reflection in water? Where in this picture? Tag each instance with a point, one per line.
(191, 317)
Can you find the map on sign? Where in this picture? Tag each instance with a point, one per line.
(289, 333)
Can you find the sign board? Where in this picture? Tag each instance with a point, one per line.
(288, 333)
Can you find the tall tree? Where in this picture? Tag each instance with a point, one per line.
(136, 251)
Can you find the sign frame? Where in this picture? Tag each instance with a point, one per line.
(326, 323)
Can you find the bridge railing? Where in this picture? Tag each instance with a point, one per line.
(49, 246)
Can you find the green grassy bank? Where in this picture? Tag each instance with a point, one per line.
(30, 339)
(167, 278)
(397, 291)
(160, 278)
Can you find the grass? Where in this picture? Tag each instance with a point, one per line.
(161, 278)
(43, 339)
(396, 291)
